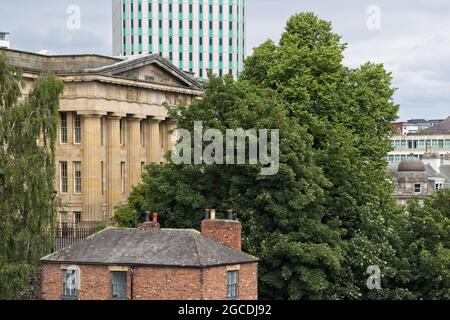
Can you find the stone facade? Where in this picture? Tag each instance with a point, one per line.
(112, 123)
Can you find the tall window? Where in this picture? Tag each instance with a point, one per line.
(77, 217)
(70, 283)
(77, 128)
(63, 137)
(119, 285)
(122, 176)
(232, 285)
(63, 177)
(77, 177)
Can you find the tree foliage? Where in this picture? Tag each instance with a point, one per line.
(328, 214)
(27, 171)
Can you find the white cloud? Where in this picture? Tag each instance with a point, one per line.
(413, 42)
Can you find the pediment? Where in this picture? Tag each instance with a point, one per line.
(151, 68)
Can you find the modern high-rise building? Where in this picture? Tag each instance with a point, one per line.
(195, 35)
(4, 42)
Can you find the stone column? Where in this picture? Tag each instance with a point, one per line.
(134, 154)
(153, 143)
(113, 184)
(91, 174)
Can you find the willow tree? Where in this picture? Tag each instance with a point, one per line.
(28, 130)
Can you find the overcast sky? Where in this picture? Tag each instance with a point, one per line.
(412, 38)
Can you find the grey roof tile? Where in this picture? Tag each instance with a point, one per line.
(158, 247)
(442, 127)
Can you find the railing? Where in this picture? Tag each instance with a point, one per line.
(68, 235)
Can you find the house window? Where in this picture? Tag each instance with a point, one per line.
(63, 173)
(63, 137)
(77, 128)
(77, 177)
(232, 285)
(417, 188)
(119, 285)
(70, 283)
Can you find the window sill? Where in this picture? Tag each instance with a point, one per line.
(69, 298)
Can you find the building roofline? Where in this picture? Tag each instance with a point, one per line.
(64, 55)
(122, 264)
(200, 263)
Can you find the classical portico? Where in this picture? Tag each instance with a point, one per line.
(113, 121)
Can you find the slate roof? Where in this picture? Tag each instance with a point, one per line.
(442, 127)
(158, 247)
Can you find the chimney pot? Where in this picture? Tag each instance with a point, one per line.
(149, 225)
(213, 214)
(230, 214)
(207, 214)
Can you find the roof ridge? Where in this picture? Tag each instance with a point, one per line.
(197, 251)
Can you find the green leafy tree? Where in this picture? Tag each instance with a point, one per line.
(283, 215)
(425, 248)
(27, 170)
(329, 213)
(348, 113)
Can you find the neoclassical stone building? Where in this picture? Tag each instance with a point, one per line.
(112, 123)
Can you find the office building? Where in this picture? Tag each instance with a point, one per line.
(4, 40)
(195, 35)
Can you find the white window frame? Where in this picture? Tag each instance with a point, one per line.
(415, 188)
(77, 129)
(233, 284)
(63, 128)
(73, 292)
(64, 177)
(77, 179)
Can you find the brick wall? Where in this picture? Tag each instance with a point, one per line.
(95, 282)
(215, 282)
(226, 231)
(152, 283)
(167, 284)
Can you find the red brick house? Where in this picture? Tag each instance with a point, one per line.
(150, 263)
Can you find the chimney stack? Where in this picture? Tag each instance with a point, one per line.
(149, 225)
(227, 231)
